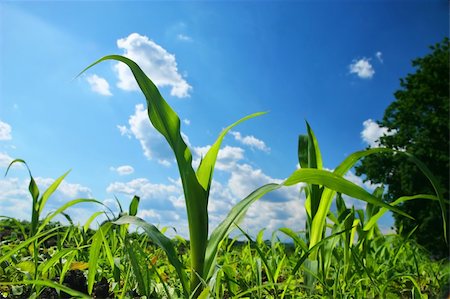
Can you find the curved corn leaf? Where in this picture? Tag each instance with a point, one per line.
(167, 122)
(206, 168)
(91, 218)
(339, 184)
(373, 220)
(45, 196)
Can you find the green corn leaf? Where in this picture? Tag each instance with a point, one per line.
(224, 228)
(167, 122)
(374, 219)
(339, 184)
(303, 151)
(326, 200)
(91, 218)
(50, 190)
(290, 233)
(138, 268)
(94, 253)
(162, 241)
(25, 244)
(63, 208)
(134, 206)
(206, 168)
(434, 182)
(50, 263)
(34, 191)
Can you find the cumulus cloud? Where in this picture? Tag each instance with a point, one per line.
(251, 141)
(158, 195)
(372, 132)
(5, 159)
(16, 199)
(362, 68)
(123, 170)
(155, 61)
(99, 85)
(152, 142)
(5, 131)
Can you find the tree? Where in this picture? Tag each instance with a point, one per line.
(418, 122)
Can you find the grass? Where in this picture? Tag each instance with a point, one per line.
(340, 254)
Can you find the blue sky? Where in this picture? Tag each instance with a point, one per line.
(334, 64)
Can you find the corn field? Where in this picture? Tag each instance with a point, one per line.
(341, 253)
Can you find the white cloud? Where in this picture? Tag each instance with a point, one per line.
(123, 170)
(143, 188)
(184, 37)
(379, 56)
(152, 142)
(16, 199)
(155, 61)
(251, 141)
(5, 159)
(372, 132)
(5, 131)
(187, 121)
(124, 131)
(362, 68)
(99, 85)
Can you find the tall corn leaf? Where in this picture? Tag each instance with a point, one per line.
(195, 185)
(94, 253)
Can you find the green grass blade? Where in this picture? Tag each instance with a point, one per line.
(51, 284)
(224, 228)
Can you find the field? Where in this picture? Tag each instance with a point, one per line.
(340, 254)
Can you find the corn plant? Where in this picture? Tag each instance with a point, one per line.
(319, 197)
(38, 233)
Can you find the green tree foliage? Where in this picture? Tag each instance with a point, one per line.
(419, 123)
